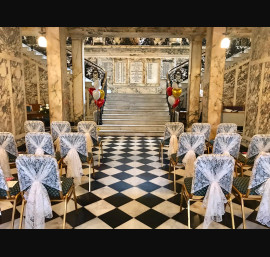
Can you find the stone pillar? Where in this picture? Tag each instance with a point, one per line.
(57, 72)
(78, 78)
(12, 87)
(213, 78)
(194, 78)
(257, 111)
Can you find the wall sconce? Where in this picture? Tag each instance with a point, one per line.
(42, 41)
(225, 42)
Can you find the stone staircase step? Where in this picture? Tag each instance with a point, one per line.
(134, 128)
(133, 121)
(135, 116)
(154, 105)
(130, 133)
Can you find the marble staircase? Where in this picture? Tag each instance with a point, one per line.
(134, 115)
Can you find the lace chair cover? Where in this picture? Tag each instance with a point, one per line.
(227, 128)
(227, 143)
(57, 128)
(259, 143)
(39, 142)
(89, 128)
(202, 128)
(261, 176)
(34, 126)
(190, 144)
(173, 130)
(33, 172)
(3, 183)
(70, 145)
(7, 145)
(215, 171)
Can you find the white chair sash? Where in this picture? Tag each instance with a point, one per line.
(261, 175)
(3, 183)
(34, 126)
(4, 162)
(259, 143)
(173, 145)
(87, 131)
(59, 131)
(39, 147)
(212, 173)
(38, 205)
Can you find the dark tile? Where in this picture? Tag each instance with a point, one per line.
(150, 200)
(98, 175)
(6, 215)
(146, 176)
(195, 219)
(55, 215)
(120, 186)
(170, 186)
(124, 160)
(152, 218)
(144, 155)
(125, 154)
(94, 185)
(122, 175)
(115, 218)
(252, 204)
(227, 220)
(87, 198)
(252, 217)
(145, 161)
(148, 186)
(118, 199)
(123, 167)
(78, 217)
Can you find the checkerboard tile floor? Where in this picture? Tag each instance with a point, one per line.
(131, 190)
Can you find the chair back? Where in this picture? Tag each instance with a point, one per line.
(202, 128)
(227, 128)
(260, 182)
(88, 127)
(173, 128)
(259, 143)
(227, 143)
(34, 126)
(3, 182)
(59, 127)
(216, 172)
(33, 173)
(36, 141)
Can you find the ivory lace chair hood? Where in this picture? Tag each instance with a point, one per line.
(34, 126)
(57, 128)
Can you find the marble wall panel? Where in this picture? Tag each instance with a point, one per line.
(10, 41)
(260, 43)
(228, 88)
(264, 117)
(5, 107)
(18, 96)
(253, 99)
(242, 80)
(67, 99)
(30, 79)
(43, 85)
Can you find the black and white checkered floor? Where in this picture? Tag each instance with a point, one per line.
(132, 191)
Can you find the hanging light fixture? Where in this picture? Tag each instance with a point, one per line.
(225, 42)
(42, 41)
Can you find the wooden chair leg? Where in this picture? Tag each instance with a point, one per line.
(13, 211)
(181, 199)
(188, 205)
(75, 198)
(243, 213)
(65, 213)
(21, 216)
(174, 179)
(232, 216)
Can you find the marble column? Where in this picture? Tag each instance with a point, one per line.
(213, 78)
(78, 78)
(57, 71)
(257, 111)
(12, 86)
(194, 76)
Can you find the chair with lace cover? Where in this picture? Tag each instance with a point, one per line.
(39, 143)
(9, 192)
(224, 128)
(190, 146)
(8, 152)
(259, 143)
(92, 138)
(74, 153)
(170, 140)
(40, 184)
(255, 187)
(57, 128)
(203, 128)
(34, 126)
(212, 185)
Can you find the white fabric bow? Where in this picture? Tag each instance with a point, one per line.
(39, 147)
(73, 162)
(38, 205)
(263, 215)
(4, 160)
(89, 142)
(214, 199)
(173, 145)
(57, 141)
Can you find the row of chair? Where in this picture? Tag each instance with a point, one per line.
(57, 145)
(193, 145)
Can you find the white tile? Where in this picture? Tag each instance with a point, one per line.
(134, 192)
(133, 208)
(134, 172)
(108, 180)
(251, 225)
(160, 181)
(113, 163)
(213, 225)
(133, 224)
(56, 223)
(158, 172)
(95, 223)
(104, 192)
(135, 164)
(111, 171)
(100, 207)
(163, 193)
(237, 211)
(60, 207)
(172, 224)
(134, 181)
(4, 205)
(167, 208)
